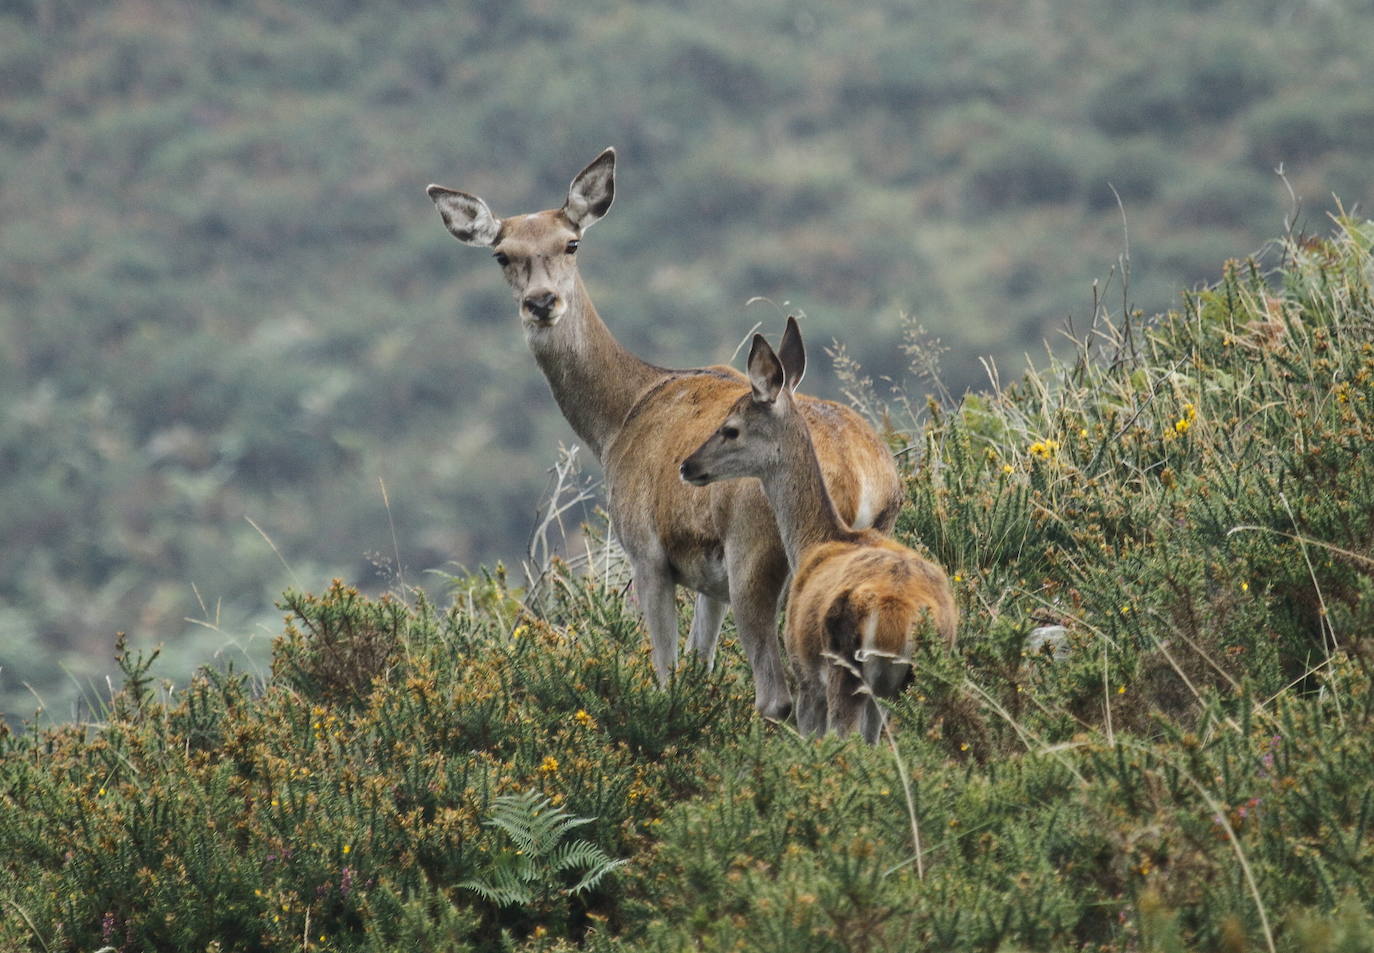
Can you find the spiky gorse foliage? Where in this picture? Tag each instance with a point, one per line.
(1191, 502)
(318, 810)
(1193, 496)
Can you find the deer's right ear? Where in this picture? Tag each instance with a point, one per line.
(592, 191)
(765, 372)
(465, 216)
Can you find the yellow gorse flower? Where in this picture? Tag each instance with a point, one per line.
(549, 765)
(1183, 423)
(1044, 449)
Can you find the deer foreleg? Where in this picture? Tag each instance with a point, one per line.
(656, 593)
(707, 616)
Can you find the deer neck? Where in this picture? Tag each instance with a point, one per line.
(594, 380)
(796, 491)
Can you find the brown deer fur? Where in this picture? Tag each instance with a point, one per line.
(640, 420)
(858, 600)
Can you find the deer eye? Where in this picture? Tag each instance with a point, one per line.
(572, 247)
(502, 259)
(729, 433)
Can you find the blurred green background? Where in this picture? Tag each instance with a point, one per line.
(229, 313)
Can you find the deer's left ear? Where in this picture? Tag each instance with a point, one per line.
(792, 354)
(766, 375)
(592, 191)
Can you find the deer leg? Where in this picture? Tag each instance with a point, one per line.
(873, 720)
(657, 596)
(886, 678)
(707, 615)
(846, 697)
(755, 586)
(811, 714)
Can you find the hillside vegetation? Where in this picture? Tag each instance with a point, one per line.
(1189, 765)
(224, 295)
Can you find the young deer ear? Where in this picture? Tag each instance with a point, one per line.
(765, 372)
(841, 629)
(465, 216)
(792, 353)
(592, 191)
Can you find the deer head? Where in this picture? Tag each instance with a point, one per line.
(750, 443)
(536, 251)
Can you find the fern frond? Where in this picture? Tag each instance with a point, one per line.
(540, 858)
(594, 876)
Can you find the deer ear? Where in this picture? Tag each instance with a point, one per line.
(840, 629)
(792, 354)
(765, 372)
(592, 191)
(465, 216)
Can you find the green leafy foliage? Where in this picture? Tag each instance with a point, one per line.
(529, 871)
(360, 809)
(1186, 762)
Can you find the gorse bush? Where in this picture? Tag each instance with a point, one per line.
(1185, 508)
(1192, 496)
(335, 795)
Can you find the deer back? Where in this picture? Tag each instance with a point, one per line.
(871, 595)
(648, 499)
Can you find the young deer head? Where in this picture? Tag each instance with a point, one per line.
(535, 251)
(752, 440)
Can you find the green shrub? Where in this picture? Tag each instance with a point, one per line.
(1024, 165)
(1203, 76)
(1292, 131)
(1239, 198)
(1137, 171)
(1149, 99)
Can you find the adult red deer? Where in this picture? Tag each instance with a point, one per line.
(641, 420)
(858, 600)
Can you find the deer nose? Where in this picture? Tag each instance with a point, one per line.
(541, 305)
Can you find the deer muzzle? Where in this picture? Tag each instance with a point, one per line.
(541, 306)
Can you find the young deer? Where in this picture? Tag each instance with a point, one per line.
(640, 420)
(858, 600)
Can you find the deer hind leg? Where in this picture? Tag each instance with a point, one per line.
(811, 707)
(657, 596)
(707, 616)
(756, 583)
